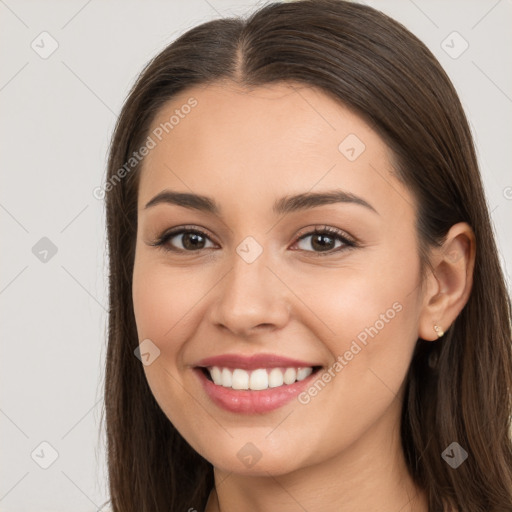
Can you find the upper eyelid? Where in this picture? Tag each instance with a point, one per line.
(186, 229)
(325, 228)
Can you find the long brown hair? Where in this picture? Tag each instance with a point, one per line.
(457, 389)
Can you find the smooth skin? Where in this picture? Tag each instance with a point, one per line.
(245, 149)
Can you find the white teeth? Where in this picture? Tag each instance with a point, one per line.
(259, 379)
(275, 378)
(226, 378)
(302, 373)
(290, 375)
(240, 379)
(216, 375)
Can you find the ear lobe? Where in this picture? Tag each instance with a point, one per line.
(449, 286)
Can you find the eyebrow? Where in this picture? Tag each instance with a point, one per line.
(283, 205)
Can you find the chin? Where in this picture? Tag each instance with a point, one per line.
(259, 457)
(267, 465)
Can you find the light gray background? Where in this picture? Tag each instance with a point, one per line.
(57, 116)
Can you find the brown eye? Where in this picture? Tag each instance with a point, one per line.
(326, 240)
(190, 239)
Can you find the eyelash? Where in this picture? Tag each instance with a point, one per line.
(161, 242)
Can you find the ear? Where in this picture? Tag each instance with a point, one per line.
(449, 282)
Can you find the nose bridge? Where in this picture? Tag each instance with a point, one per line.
(249, 295)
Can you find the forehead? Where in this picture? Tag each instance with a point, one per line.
(246, 144)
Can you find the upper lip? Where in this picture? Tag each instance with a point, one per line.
(253, 362)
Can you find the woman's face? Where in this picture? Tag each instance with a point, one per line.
(259, 300)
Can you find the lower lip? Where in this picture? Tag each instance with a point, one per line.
(252, 402)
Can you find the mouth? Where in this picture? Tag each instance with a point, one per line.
(259, 379)
(255, 384)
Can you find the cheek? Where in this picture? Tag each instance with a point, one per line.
(153, 302)
(371, 314)
(165, 303)
(164, 300)
(374, 337)
(375, 300)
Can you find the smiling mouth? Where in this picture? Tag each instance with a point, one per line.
(259, 379)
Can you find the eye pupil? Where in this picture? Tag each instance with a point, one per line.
(316, 239)
(192, 241)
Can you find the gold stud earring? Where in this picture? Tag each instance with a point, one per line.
(438, 330)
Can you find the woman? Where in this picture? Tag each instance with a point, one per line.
(302, 259)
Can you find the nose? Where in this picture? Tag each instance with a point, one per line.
(250, 299)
